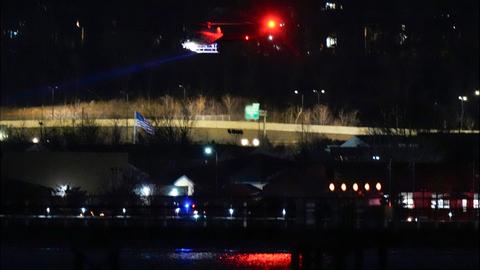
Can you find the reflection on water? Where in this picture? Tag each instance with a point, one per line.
(228, 259)
(185, 258)
(268, 260)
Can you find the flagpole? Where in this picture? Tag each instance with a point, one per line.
(134, 128)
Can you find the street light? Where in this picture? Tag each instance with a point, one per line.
(331, 187)
(296, 92)
(146, 191)
(462, 100)
(318, 94)
(184, 91)
(477, 93)
(209, 150)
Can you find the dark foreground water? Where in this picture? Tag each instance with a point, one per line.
(60, 258)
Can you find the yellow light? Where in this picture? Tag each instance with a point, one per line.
(271, 24)
(343, 187)
(378, 186)
(331, 187)
(355, 186)
(367, 187)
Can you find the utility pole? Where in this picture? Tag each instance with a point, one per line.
(264, 114)
(53, 102)
(127, 113)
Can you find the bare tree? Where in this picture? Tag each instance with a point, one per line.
(321, 115)
(229, 102)
(173, 120)
(347, 118)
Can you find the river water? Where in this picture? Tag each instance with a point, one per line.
(186, 258)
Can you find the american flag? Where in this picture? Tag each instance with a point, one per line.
(140, 121)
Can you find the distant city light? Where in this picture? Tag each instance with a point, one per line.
(331, 42)
(244, 141)
(177, 210)
(146, 191)
(463, 98)
(230, 211)
(83, 210)
(409, 219)
(247, 37)
(270, 37)
(322, 91)
(35, 140)
(3, 135)
(173, 192)
(378, 186)
(61, 191)
(195, 214)
(256, 142)
(331, 187)
(477, 92)
(124, 211)
(284, 212)
(48, 210)
(77, 23)
(343, 187)
(450, 214)
(355, 187)
(367, 187)
(296, 92)
(376, 157)
(208, 150)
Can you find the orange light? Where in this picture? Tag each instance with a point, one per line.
(331, 187)
(378, 186)
(343, 187)
(355, 186)
(271, 24)
(367, 187)
(247, 37)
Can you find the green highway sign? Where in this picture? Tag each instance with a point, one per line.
(252, 111)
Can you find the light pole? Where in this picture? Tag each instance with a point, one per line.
(126, 119)
(462, 100)
(296, 92)
(318, 94)
(53, 100)
(208, 151)
(184, 92)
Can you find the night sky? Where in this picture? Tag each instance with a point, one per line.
(414, 55)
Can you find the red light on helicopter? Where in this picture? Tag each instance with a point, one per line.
(271, 24)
